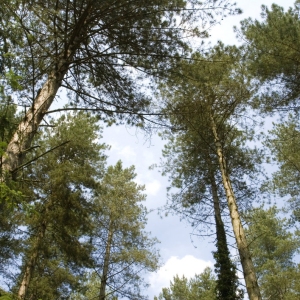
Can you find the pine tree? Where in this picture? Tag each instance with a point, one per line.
(283, 143)
(57, 215)
(10, 196)
(205, 101)
(201, 286)
(273, 56)
(191, 166)
(122, 247)
(97, 51)
(274, 246)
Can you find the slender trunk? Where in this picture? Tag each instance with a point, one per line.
(30, 266)
(227, 284)
(27, 128)
(216, 201)
(246, 261)
(106, 262)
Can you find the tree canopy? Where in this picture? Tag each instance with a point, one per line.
(202, 286)
(273, 53)
(72, 227)
(122, 248)
(96, 50)
(207, 148)
(273, 246)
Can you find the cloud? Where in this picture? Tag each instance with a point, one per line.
(118, 152)
(187, 266)
(127, 152)
(150, 156)
(153, 187)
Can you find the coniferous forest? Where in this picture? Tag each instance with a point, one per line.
(74, 227)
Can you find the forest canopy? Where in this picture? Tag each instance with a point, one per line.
(74, 227)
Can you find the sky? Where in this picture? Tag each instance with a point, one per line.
(181, 252)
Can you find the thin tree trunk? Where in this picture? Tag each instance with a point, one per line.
(226, 272)
(30, 266)
(106, 263)
(216, 201)
(246, 261)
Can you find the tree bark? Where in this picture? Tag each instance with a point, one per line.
(27, 128)
(216, 201)
(22, 138)
(227, 284)
(106, 263)
(30, 266)
(246, 261)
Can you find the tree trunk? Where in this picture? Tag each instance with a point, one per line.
(27, 275)
(216, 201)
(246, 261)
(227, 284)
(31, 264)
(106, 263)
(22, 138)
(27, 128)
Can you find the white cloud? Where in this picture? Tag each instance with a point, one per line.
(153, 187)
(114, 146)
(187, 266)
(150, 157)
(127, 153)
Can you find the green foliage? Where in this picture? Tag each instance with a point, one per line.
(118, 213)
(8, 120)
(11, 197)
(273, 247)
(213, 87)
(5, 296)
(59, 186)
(227, 285)
(66, 208)
(91, 288)
(273, 52)
(13, 80)
(284, 146)
(195, 175)
(202, 286)
(200, 89)
(53, 278)
(99, 59)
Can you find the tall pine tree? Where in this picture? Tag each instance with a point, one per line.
(58, 183)
(206, 99)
